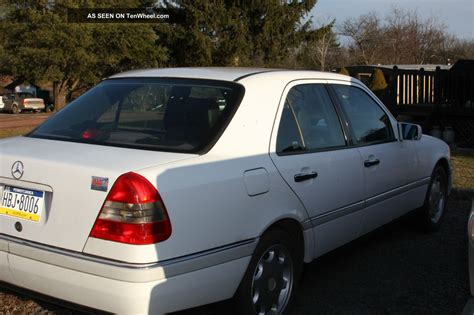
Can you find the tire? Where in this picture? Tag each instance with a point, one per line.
(272, 275)
(15, 109)
(432, 212)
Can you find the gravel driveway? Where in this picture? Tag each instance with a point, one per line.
(394, 270)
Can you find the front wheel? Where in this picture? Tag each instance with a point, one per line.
(432, 212)
(15, 109)
(272, 275)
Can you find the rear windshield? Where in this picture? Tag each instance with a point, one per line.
(177, 115)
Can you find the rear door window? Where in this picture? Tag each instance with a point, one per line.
(309, 121)
(177, 115)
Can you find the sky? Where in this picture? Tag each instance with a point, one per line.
(457, 15)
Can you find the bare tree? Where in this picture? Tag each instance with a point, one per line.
(322, 46)
(401, 37)
(366, 34)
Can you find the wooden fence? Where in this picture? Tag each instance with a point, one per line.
(420, 92)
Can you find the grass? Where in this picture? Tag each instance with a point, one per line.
(463, 163)
(463, 160)
(12, 132)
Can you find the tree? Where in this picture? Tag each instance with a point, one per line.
(344, 71)
(366, 35)
(402, 37)
(377, 82)
(240, 33)
(321, 48)
(42, 47)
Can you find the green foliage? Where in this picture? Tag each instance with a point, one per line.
(344, 71)
(377, 81)
(320, 49)
(239, 33)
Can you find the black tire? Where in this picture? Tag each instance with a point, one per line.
(431, 214)
(15, 109)
(273, 282)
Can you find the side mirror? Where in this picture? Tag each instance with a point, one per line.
(408, 131)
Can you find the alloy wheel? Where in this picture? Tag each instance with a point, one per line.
(437, 199)
(272, 281)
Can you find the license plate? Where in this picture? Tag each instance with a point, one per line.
(22, 203)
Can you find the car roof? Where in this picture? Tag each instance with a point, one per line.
(225, 73)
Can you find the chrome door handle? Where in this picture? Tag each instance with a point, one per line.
(302, 177)
(369, 163)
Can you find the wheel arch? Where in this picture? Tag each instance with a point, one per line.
(303, 237)
(444, 163)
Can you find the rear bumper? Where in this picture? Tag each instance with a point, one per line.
(31, 107)
(125, 288)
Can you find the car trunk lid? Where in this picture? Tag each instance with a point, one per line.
(73, 179)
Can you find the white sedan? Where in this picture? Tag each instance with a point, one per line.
(164, 189)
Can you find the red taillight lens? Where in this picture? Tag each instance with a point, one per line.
(133, 213)
(91, 134)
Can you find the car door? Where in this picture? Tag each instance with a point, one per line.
(388, 163)
(311, 152)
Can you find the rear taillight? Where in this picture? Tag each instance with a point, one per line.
(133, 213)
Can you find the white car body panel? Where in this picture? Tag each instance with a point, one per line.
(337, 170)
(219, 203)
(115, 296)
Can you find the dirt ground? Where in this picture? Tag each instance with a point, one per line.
(21, 120)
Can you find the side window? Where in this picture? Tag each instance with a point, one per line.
(369, 123)
(309, 121)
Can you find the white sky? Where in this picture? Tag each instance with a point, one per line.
(457, 15)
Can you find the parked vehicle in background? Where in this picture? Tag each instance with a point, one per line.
(164, 189)
(19, 102)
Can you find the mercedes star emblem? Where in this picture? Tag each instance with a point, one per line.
(17, 169)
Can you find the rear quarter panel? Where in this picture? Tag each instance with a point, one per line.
(208, 205)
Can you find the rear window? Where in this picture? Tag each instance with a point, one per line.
(177, 115)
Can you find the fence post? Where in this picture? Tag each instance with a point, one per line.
(438, 84)
(393, 88)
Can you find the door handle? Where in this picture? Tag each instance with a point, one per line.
(369, 163)
(302, 177)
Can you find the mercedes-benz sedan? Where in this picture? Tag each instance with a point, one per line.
(161, 190)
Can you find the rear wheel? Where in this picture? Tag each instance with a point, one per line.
(432, 212)
(15, 109)
(272, 275)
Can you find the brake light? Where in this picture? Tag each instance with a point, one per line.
(91, 134)
(133, 213)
